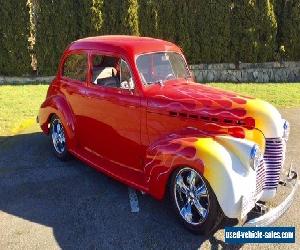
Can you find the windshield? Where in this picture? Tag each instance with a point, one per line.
(161, 66)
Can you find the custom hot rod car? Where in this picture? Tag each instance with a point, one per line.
(128, 106)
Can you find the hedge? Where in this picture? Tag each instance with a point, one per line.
(57, 25)
(290, 36)
(14, 32)
(209, 31)
(253, 27)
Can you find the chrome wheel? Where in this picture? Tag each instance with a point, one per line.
(191, 196)
(58, 136)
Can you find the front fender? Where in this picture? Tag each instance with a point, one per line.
(163, 157)
(227, 174)
(59, 106)
(229, 178)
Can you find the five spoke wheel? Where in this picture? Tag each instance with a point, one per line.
(191, 196)
(58, 138)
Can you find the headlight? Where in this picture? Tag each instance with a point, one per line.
(286, 130)
(255, 157)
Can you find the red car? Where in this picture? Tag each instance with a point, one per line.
(128, 106)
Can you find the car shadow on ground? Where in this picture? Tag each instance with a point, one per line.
(85, 208)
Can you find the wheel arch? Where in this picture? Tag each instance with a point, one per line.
(57, 105)
(211, 159)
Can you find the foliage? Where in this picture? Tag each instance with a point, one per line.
(208, 31)
(266, 28)
(14, 32)
(253, 30)
(290, 30)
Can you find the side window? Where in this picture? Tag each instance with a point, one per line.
(75, 67)
(125, 76)
(109, 71)
(105, 71)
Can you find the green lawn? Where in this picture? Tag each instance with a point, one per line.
(19, 104)
(283, 95)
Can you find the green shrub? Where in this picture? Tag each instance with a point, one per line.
(290, 29)
(57, 26)
(253, 30)
(14, 32)
(148, 17)
(267, 29)
(208, 31)
(213, 31)
(200, 27)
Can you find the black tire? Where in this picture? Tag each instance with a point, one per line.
(213, 215)
(62, 151)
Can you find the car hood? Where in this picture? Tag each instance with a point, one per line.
(215, 106)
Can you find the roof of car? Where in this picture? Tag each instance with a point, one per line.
(122, 43)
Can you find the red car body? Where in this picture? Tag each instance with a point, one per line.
(122, 147)
(133, 135)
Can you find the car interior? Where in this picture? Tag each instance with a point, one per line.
(106, 71)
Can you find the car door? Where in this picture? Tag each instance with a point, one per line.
(113, 112)
(73, 83)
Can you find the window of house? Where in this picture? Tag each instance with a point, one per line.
(75, 67)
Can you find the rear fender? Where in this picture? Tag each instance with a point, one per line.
(59, 106)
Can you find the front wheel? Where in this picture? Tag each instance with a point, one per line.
(194, 201)
(58, 139)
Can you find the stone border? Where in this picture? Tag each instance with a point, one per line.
(16, 80)
(248, 72)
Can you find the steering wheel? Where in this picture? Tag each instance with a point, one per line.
(170, 76)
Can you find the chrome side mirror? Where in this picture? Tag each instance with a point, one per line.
(127, 84)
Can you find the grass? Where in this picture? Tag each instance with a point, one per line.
(19, 104)
(282, 95)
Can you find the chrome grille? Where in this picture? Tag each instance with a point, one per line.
(273, 158)
(260, 176)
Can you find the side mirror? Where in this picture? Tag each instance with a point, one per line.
(124, 85)
(127, 85)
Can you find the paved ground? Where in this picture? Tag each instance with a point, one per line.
(47, 204)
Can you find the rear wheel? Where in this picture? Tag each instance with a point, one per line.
(194, 201)
(58, 138)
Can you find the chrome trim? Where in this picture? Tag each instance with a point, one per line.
(191, 196)
(58, 136)
(260, 177)
(275, 213)
(274, 156)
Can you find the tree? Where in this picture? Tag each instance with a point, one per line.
(130, 17)
(244, 35)
(57, 26)
(14, 46)
(291, 29)
(148, 17)
(267, 29)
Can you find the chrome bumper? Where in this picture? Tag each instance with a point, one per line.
(275, 213)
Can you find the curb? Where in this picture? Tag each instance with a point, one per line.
(15, 80)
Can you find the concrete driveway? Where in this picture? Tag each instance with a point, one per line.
(48, 204)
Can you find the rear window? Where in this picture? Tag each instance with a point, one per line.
(75, 67)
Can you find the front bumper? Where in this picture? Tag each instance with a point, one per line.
(271, 215)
